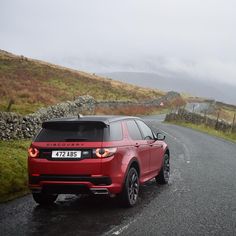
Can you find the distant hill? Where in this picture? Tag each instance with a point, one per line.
(180, 83)
(30, 84)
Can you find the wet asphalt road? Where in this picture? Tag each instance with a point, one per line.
(199, 200)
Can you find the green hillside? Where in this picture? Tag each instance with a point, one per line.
(30, 84)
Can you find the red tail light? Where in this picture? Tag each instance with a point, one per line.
(33, 152)
(105, 152)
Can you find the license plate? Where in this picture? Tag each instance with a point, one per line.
(66, 154)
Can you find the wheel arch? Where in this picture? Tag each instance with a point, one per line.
(133, 163)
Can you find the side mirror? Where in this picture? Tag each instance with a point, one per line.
(160, 136)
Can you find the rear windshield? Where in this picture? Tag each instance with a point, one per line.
(80, 132)
(71, 133)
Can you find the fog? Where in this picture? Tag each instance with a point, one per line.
(196, 39)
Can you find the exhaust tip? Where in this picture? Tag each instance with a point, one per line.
(99, 191)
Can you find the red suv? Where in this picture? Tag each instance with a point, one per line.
(96, 154)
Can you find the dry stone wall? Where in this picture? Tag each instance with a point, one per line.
(15, 126)
(166, 100)
(185, 116)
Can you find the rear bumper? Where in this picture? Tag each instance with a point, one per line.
(87, 175)
(73, 184)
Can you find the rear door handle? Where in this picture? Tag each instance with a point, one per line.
(137, 145)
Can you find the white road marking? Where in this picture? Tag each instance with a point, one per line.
(119, 230)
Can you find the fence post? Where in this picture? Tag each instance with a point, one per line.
(232, 127)
(217, 120)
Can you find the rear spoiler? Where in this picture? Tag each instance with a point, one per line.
(57, 123)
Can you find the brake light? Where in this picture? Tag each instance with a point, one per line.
(33, 152)
(105, 152)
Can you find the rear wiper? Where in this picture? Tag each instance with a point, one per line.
(75, 139)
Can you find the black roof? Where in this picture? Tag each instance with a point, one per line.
(104, 120)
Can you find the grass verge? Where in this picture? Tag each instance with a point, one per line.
(208, 130)
(13, 169)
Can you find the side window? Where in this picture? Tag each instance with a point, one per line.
(147, 132)
(115, 131)
(133, 130)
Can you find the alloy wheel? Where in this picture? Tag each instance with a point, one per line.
(133, 187)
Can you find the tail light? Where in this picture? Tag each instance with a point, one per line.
(33, 152)
(105, 152)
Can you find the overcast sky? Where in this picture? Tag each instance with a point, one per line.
(191, 37)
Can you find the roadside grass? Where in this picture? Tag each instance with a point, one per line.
(208, 130)
(13, 169)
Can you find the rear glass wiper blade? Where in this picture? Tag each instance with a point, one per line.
(75, 139)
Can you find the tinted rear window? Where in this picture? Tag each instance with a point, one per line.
(71, 132)
(80, 132)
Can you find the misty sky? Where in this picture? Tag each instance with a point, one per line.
(190, 37)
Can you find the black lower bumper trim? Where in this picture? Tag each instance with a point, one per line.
(77, 178)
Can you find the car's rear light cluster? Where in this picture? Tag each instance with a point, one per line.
(33, 152)
(104, 152)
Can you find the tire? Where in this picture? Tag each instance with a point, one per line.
(44, 199)
(164, 174)
(129, 194)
